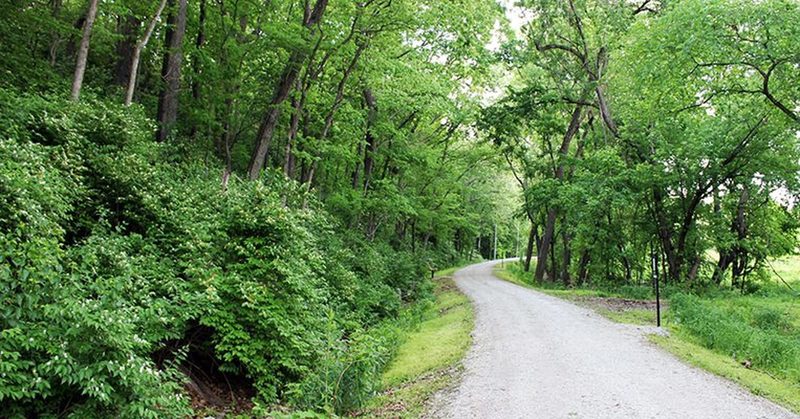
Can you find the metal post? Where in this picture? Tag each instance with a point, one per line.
(654, 257)
(494, 254)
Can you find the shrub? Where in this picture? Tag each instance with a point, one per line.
(110, 252)
(349, 371)
(84, 306)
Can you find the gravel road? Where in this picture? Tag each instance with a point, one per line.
(536, 356)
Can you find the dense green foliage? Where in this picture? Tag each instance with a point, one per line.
(651, 130)
(250, 196)
(659, 139)
(147, 258)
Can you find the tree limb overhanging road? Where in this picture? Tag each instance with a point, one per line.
(537, 356)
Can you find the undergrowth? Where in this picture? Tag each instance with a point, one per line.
(112, 255)
(427, 359)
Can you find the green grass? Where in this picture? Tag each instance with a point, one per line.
(428, 359)
(788, 267)
(631, 316)
(784, 392)
(507, 274)
(440, 340)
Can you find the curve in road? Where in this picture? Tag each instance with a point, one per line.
(536, 356)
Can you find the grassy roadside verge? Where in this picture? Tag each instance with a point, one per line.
(680, 342)
(780, 391)
(428, 359)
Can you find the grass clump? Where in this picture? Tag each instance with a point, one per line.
(638, 316)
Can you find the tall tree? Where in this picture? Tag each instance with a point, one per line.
(83, 51)
(171, 70)
(127, 28)
(137, 53)
(311, 18)
(371, 142)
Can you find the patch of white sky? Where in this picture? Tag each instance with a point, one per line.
(517, 18)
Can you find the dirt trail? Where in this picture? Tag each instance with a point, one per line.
(536, 356)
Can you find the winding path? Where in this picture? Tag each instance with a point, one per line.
(536, 356)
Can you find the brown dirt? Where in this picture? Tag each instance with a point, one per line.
(397, 408)
(214, 394)
(619, 304)
(445, 284)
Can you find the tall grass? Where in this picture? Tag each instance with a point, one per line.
(762, 335)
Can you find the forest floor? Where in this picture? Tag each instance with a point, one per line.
(533, 352)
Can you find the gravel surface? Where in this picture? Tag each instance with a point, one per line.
(536, 356)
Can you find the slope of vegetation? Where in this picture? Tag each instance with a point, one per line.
(230, 206)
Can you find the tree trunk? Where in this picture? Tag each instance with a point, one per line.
(740, 227)
(566, 258)
(337, 101)
(552, 270)
(529, 249)
(626, 265)
(171, 71)
(55, 37)
(723, 263)
(270, 120)
(694, 269)
(583, 265)
(294, 124)
(83, 51)
(227, 143)
(128, 28)
(356, 176)
(137, 52)
(552, 214)
(200, 40)
(735, 254)
(281, 93)
(665, 233)
(371, 144)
